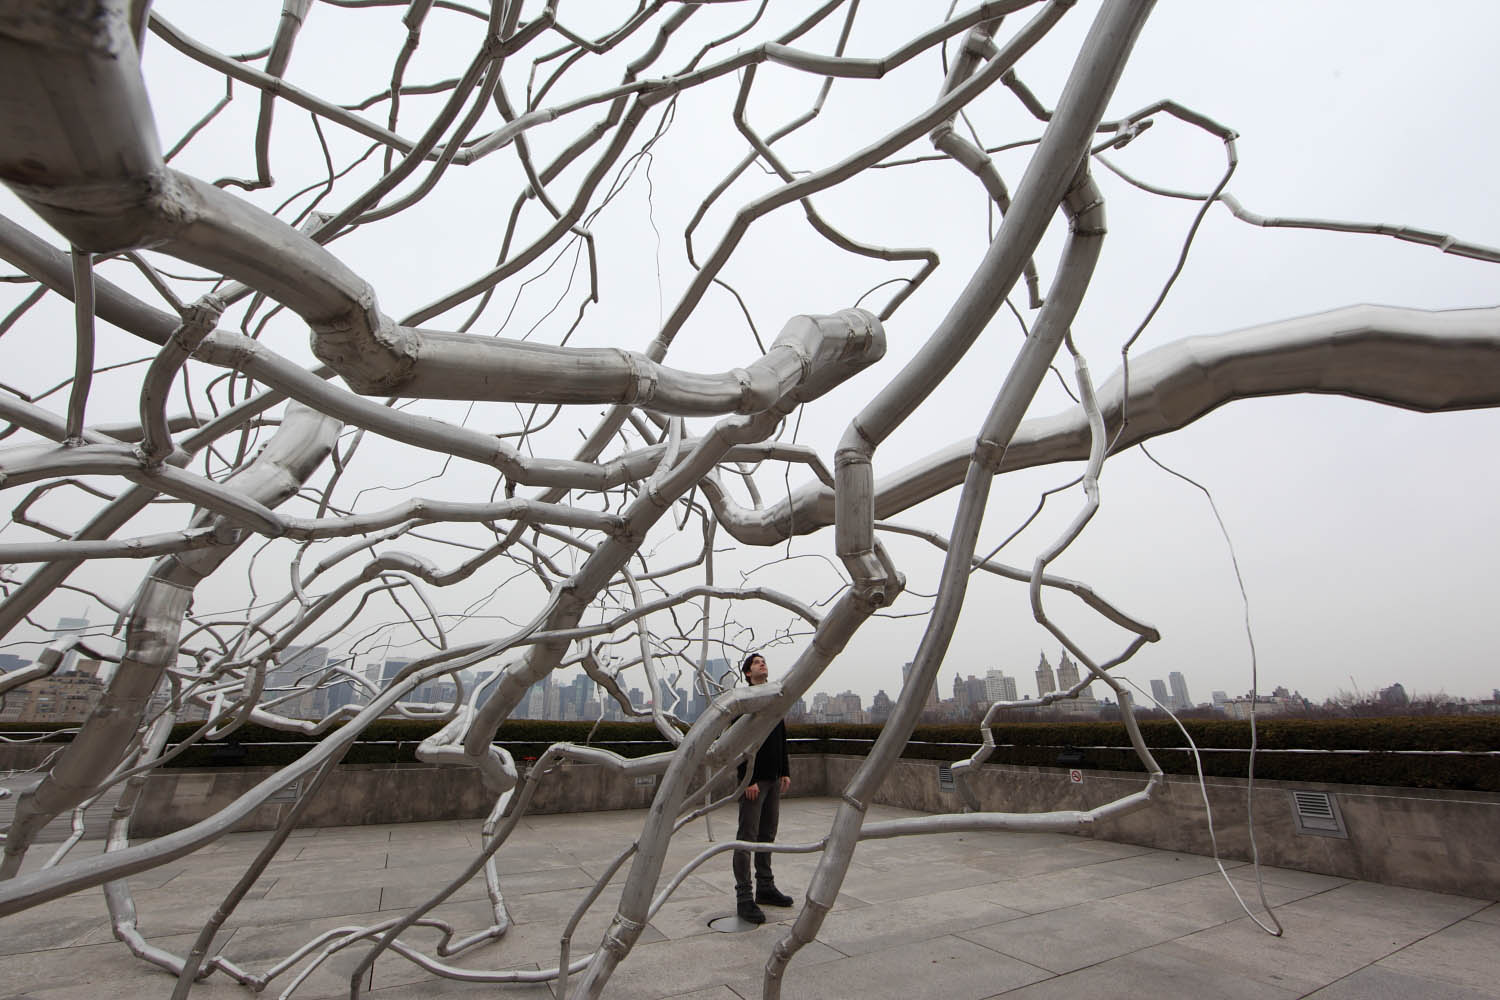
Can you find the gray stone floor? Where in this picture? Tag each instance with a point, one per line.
(1025, 916)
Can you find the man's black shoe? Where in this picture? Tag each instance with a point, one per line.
(749, 912)
(773, 896)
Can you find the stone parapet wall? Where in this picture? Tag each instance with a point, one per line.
(1438, 840)
(1444, 841)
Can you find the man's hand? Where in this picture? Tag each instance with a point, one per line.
(786, 783)
(752, 792)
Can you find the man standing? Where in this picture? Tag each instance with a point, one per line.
(760, 808)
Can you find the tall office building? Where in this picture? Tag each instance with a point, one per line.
(998, 687)
(932, 696)
(551, 699)
(1159, 692)
(536, 698)
(1178, 683)
(1068, 675)
(297, 667)
(961, 702)
(1045, 682)
(69, 626)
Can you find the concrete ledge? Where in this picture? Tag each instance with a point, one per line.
(1428, 839)
(1443, 841)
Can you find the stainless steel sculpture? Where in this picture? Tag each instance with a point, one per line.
(589, 523)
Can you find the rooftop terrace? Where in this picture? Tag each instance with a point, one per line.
(1024, 916)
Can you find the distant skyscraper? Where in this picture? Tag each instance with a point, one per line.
(1159, 692)
(551, 699)
(1179, 690)
(932, 696)
(583, 695)
(1067, 673)
(1068, 676)
(1045, 682)
(961, 703)
(69, 626)
(998, 687)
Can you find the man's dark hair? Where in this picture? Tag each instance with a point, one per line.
(745, 667)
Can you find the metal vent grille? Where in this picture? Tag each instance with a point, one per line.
(945, 778)
(1317, 813)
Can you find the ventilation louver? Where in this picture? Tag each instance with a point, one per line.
(1317, 813)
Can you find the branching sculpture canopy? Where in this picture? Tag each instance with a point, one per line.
(228, 275)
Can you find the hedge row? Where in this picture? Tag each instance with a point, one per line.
(1462, 762)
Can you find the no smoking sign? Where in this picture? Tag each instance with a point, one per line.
(1075, 776)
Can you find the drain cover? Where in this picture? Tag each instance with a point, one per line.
(730, 923)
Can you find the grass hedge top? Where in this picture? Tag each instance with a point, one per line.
(1467, 733)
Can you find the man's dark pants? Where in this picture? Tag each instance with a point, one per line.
(758, 823)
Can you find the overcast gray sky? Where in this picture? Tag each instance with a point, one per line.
(1365, 534)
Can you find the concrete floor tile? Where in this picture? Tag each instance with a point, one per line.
(1488, 915)
(1417, 906)
(960, 907)
(948, 967)
(1466, 954)
(1289, 877)
(409, 892)
(1315, 950)
(1154, 974)
(1377, 983)
(257, 949)
(713, 993)
(1053, 890)
(873, 928)
(162, 913)
(58, 924)
(1362, 913)
(451, 989)
(1206, 899)
(106, 969)
(705, 961)
(901, 881)
(524, 947)
(1077, 936)
(1160, 867)
(286, 865)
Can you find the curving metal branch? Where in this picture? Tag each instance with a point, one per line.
(537, 552)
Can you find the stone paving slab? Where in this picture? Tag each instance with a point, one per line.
(1375, 982)
(1028, 916)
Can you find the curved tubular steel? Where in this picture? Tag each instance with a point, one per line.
(608, 561)
(1429, 361)
(1065, 143)
(152, 632)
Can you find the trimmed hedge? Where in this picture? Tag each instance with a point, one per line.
(1452, 751)
(1455, 749)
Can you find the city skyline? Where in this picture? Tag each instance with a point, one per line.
(997, 683)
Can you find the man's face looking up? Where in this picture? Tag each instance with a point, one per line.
(756, 673)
